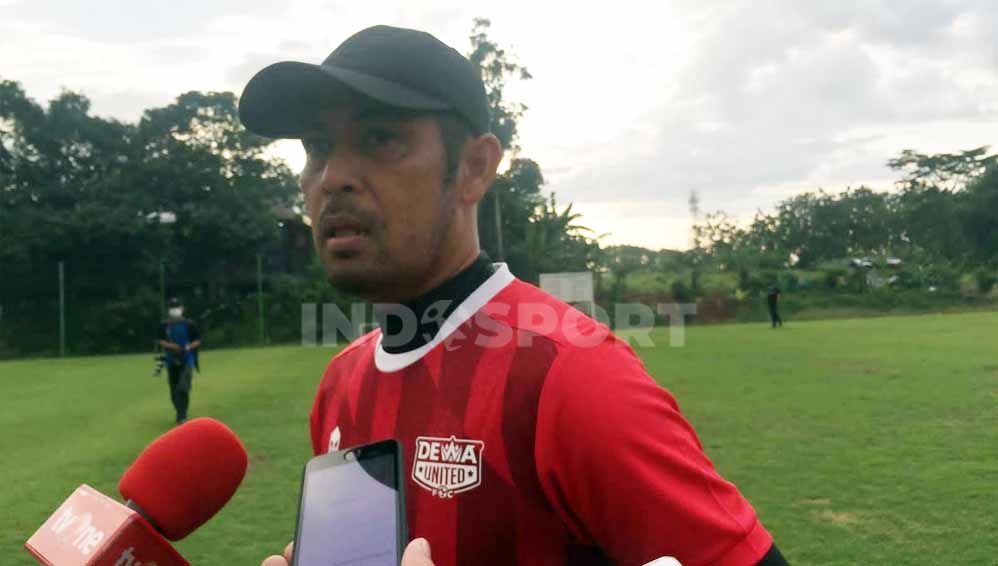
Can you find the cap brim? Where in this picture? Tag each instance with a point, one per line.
(283, 99)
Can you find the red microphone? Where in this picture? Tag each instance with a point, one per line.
(174, 486)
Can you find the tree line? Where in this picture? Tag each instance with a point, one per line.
(187, 200)
(942, 218)
(188, 197)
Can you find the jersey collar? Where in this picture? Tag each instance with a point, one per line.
(389, 362)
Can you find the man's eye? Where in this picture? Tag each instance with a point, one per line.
(376, 137)
(383, 144)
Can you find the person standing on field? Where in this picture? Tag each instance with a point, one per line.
(773, 301)
(180, 339)
(523, 442)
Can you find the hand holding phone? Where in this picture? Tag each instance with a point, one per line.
(352, 508)
(417, 553)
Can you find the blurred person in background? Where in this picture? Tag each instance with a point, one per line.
(180, 339)
(773, 300)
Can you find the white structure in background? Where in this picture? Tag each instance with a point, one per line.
(873, 278)
(572, 288)
(162, 217)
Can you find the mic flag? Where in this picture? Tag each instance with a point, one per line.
(176, 484)
(91, 529)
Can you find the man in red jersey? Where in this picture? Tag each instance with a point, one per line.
(531, 435)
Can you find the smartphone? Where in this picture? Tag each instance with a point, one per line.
(352, 508)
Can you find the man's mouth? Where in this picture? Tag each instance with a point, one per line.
(344, 234)
(348, 232)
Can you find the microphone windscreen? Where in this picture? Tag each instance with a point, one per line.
(186, 475)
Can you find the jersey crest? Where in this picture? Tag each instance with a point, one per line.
(447, 466)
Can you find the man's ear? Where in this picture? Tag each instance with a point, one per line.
(480, 159)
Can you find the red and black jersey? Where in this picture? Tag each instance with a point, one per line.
(532, 435)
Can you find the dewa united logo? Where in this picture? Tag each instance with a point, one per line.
(447, 466)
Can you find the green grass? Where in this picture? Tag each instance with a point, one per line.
(866, 441)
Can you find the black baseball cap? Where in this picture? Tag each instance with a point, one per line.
(397, 67)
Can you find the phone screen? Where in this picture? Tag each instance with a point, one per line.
(349, 510)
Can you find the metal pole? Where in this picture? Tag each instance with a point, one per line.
(259, 297)
(498, 219)
(162, 288)
(62, 310)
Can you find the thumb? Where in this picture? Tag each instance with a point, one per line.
(276, 560)
(417, 553)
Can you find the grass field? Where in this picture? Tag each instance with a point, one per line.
(868, 441)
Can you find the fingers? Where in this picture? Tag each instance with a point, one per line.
(276, 560)
(417, 553)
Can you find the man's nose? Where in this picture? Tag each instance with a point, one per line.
(341, 173)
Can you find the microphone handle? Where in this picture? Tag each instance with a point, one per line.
(131, 504)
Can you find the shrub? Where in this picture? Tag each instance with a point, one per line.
(907, 279)
(787, 280)
(834, 277)
(716, 307)
(681, 293)
(744, 279)
(985, 279)
(856, 280)
(969, 285)
(760, 282)
(943, 276)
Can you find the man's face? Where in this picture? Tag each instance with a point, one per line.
(374, 185)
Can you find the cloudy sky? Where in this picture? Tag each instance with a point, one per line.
(632, 105)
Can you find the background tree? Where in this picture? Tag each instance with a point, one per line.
(979, 217)
(517, 224)
(556, 243)
(81, 189)
(203, 165)
(520, 187)
(623, 261)
(496, 69)
(942, 222)
(945, 171)
(89, 191)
